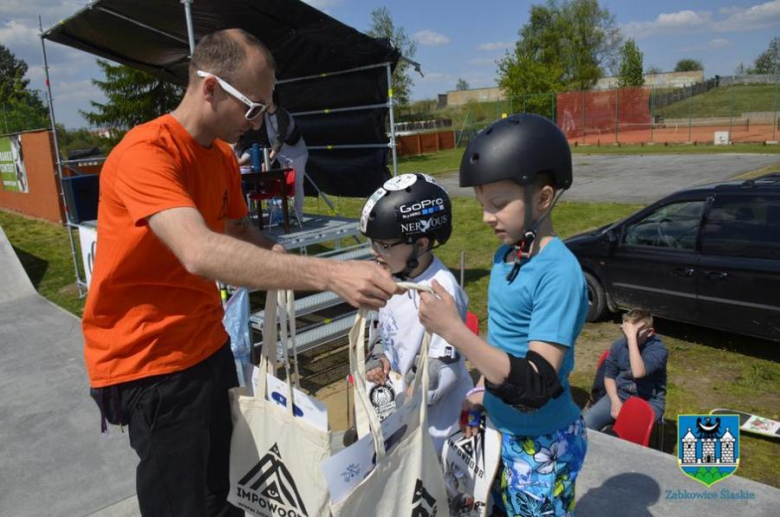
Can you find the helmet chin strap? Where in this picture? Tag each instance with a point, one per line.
(411, 263)
(522, 248)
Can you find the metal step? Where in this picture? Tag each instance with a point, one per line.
(324, 300)
(316, 335)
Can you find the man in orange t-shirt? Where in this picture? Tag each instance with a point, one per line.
(171, 221)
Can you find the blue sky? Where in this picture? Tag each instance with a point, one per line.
(456, 38)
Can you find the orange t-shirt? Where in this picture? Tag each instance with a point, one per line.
(145, 314)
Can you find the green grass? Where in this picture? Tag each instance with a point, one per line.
(433, 164)
(724, 102)
(44, 251)
(707, 369)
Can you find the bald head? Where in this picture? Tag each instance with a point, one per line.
(227, 53)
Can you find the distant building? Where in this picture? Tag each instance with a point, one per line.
(461, 97)
(664, 80)
(494, 94)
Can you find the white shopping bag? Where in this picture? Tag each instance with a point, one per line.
(273, 452)
(395, 469)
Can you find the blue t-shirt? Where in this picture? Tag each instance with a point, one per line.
(548, 301)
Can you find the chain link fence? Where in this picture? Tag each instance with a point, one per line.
(722, 110)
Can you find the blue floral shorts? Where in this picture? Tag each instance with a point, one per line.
(537, 474)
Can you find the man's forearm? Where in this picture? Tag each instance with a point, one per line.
(244, 230)
(240, 263)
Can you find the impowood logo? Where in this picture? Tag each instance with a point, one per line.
(423, 503)
(269, 489)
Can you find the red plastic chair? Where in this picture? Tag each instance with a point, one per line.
(635, 421)
(602, 358)
(272, 188)
(472, 322)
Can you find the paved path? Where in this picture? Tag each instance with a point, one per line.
(643, 178)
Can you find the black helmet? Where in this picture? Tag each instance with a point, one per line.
(516, 148)
(408, 207)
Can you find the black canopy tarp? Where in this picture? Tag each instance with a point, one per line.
(151, 35)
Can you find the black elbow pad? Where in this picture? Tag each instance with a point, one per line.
(527, 389)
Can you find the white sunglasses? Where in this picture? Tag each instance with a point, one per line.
(255, 108)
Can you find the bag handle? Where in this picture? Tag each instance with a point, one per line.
(279, 306)
(357, 355)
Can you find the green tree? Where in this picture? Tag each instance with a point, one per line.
(743, 70)
(461, 84)
(132, 97)
(688, 65)
(12, 72)
(631, 65)
(769, 60)
(565, 45)
(82, 138)
(654, 70)
(382, 27)
(22, 108)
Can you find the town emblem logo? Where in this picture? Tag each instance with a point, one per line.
(708, 446)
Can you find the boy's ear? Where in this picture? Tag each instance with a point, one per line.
(546, 196)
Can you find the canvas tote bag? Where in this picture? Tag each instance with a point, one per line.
(407, 478)
(274, 454)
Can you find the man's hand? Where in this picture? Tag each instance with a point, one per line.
(361, 283)
(616, 406)
(278, 248)
(438, 313)
(378, 375)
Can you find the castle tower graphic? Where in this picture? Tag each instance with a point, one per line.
(727, 447)
(689, 445)
(708, 449)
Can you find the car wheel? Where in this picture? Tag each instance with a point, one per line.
(597, 299)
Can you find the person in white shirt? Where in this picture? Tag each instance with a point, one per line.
(405, 220)
(282, 136)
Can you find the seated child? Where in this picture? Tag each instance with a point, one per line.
(405, 220)
(635, 367)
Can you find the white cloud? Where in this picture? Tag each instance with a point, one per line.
(731, 19)
(50, 11)
(17, 33)
(430, 38)
(759, 16)
(668, 22)
(682, 19)
(498, 45)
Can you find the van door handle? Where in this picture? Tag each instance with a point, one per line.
(716, 275)
(683, 271)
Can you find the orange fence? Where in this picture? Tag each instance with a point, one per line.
(424, 143)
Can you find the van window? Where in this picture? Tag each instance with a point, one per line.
(673, 226)
(743, 227)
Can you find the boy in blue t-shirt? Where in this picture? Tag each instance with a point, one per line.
(537, 304)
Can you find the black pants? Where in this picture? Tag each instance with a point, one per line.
(180, 428)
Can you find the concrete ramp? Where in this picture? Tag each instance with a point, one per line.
(53, 459)
(14, 282)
